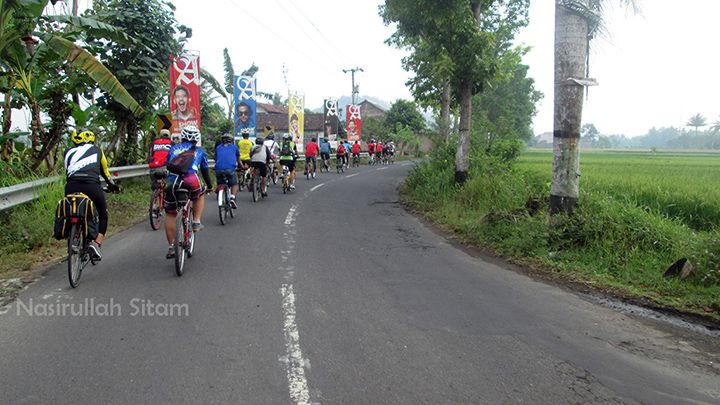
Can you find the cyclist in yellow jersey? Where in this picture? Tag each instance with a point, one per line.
(245, 145)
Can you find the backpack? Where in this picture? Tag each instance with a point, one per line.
(286, 150)
(182, 163)
(79, 206)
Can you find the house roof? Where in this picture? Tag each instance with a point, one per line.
(272, 109)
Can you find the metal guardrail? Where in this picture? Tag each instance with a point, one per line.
(21, 193)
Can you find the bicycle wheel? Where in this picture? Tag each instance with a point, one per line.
(76, 242)
(229, 207)
(154, 211)
(190, 234)
(179, 244)
(254, 188)
(221, 205)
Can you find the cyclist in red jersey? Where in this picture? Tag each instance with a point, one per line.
(158, 156)
(311, 152)
(355, 150)
(371, 151)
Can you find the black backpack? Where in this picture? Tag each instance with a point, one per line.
(286, 150)
(80, 206)
(182, 163)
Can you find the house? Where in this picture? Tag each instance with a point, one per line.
(369, 109)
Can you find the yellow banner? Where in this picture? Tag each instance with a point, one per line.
(296, 118)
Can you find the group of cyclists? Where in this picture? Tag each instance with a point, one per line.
(85, 163)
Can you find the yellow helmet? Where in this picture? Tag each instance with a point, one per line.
(82, 137)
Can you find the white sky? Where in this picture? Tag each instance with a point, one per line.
(656, 69)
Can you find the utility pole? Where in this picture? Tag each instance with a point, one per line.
(354, 89)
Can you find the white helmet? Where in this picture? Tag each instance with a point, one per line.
(190, 133)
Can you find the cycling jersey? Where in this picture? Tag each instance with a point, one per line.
(160, 148)
(311, 149)
(200, 162)
(378, 149)
(356, 149)
(260, 154)
(324, 147)
(85, 164)
(226, 156)
(245, 146)
(371, 148)
(272, 146)
(348, 147)
(341, 150)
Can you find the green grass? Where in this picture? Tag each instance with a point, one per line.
(638, 214)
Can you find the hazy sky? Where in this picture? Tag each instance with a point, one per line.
(655, 69)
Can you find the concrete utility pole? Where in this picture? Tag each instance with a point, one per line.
(354, 89)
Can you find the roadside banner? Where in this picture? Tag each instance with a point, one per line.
(296, 119)
(354, 123)
(185, 91)
(245, 105)
(332, 120)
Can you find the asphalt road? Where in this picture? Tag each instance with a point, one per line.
(332, 294)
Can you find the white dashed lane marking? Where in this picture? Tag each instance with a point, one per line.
(317, 187)
(351, 175)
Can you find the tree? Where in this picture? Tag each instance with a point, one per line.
(142, 67)
(697, 121)
(374, 127)
(40, 70)
(463, 40)
(716, 126)
(576, 23)
(404, 113)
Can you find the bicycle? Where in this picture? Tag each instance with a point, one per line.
(157, 199)
(78, 253)
(356, 161)
(371, 159)
(256, 185)
(325, 165)
(243, 174)
(223, 197)
(308, 164)
(272, 173)
(184, 235)
(340, 164)
(286, 179)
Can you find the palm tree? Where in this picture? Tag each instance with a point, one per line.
(716, 126)
(576, 23)
(696, 121)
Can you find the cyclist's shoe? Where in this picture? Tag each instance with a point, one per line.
(171, 252)
(264, 194)
(197, 226)
(292, 187)
(233, 204)
(94, 250)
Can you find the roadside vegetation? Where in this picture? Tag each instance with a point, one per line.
(638, 214)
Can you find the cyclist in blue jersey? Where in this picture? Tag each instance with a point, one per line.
(227, 156)
(190, 136)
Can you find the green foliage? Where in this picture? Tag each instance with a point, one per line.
(404, 113)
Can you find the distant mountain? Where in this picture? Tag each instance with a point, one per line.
(345, 100)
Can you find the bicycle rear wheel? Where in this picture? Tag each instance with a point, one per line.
(155, 209)
(190, 234)
(254, 187)
(179, 244)
(76, 243)
(222, 209)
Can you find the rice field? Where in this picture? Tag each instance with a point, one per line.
(680, 185)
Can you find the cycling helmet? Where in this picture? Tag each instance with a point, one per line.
(286, 136)
(226, 137)
(245, 135)
(271, 136)
(259, 140)
(165, 133)
(372, 140)
(190, 133)
(82, 137)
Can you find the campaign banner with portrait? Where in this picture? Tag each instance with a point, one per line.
(354, 123)
(185, 91)
(245, 105)
(296, 118)
(331, 119)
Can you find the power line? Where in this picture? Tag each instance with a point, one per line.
(322, 35)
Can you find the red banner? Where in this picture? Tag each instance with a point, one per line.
(354, 123)
(185, 91)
